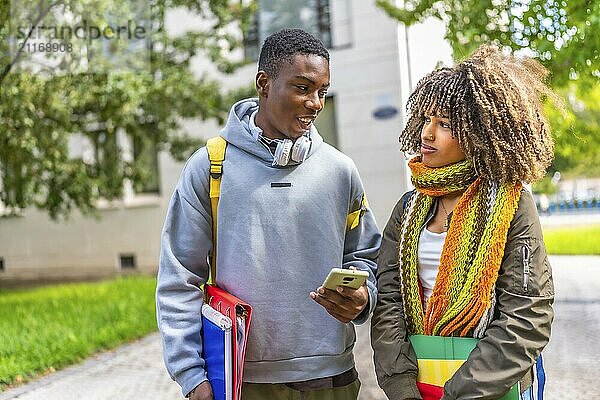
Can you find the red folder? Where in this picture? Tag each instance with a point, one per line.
(240, 314)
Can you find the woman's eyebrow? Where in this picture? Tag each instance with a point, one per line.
(436, 115)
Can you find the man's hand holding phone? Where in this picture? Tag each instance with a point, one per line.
(336, 295)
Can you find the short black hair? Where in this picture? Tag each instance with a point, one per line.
(283, 45)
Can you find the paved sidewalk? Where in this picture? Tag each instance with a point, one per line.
(132, 371)
(136, 371)
(572, 356)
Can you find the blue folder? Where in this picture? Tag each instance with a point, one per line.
(217, 353)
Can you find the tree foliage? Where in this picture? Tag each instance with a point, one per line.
(563, 35)
(100, 92)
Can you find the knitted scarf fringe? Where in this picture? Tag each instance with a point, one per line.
(463, 295)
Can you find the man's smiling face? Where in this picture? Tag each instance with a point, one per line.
(290, 102)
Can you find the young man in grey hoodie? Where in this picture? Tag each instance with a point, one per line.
(283, 224)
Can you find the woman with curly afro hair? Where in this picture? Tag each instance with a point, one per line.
(462, 254)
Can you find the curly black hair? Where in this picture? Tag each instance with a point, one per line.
(494, 103)
(283, 45)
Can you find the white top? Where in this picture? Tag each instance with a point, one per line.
(429, 252)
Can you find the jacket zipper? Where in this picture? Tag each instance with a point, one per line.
(526, 253)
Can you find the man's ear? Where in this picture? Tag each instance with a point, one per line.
(263, 84)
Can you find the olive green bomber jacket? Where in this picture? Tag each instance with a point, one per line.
(512, 342)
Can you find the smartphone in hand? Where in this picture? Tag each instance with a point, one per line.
(352, 278)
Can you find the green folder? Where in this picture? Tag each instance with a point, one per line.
(441, 347)
(450, 348)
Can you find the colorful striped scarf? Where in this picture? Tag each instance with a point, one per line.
(463, 292)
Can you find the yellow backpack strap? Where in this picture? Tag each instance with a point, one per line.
(216, 155)
(355, 216)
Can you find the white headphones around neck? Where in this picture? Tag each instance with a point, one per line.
(296, 151)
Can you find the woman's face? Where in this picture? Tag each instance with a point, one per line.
(438, 147)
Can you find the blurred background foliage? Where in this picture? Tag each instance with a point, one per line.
(563, 35)
(48, 98)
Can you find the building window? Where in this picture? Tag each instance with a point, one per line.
(107, 166)
(252, 39)
(127, 261)
(324, 21)
(145, 154)
(326, 122)
(312, 16)
(13, 184)
(1, 264)
(111, 151)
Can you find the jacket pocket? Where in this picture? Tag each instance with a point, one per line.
(526, 269)
(526, 262)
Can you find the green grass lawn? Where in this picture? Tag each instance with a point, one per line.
(50, 327)
(584, 240)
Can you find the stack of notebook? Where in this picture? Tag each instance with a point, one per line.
(225, 323)
(217, 341)
(439, 358)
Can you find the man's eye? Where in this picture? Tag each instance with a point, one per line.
(322, 94)
(445, 125)
(426, 119)
(302, 87)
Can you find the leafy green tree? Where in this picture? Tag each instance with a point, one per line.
(578, 133)
(102, 90)
(562, 34)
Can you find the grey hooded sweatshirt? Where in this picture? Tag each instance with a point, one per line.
(276, 243)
